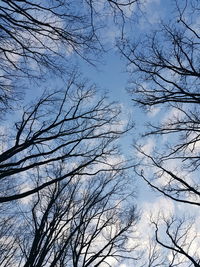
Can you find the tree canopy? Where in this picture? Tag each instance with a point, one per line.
(68, 179)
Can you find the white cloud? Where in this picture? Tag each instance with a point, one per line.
(148, 147)
(3, 138)
(151, 210)
(151, 13)
(153, 111)
(171, 115)
(160, 205)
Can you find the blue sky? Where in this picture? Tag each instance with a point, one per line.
(110, 74)
(113, 77)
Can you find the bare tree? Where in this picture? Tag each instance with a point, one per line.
(181, 240)
(63, 153)
(74, 126)
(82, 221)
(8, 238)
(39, 36)
(61, 162)
(164, 67)
(152, 255)
(168, 77)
